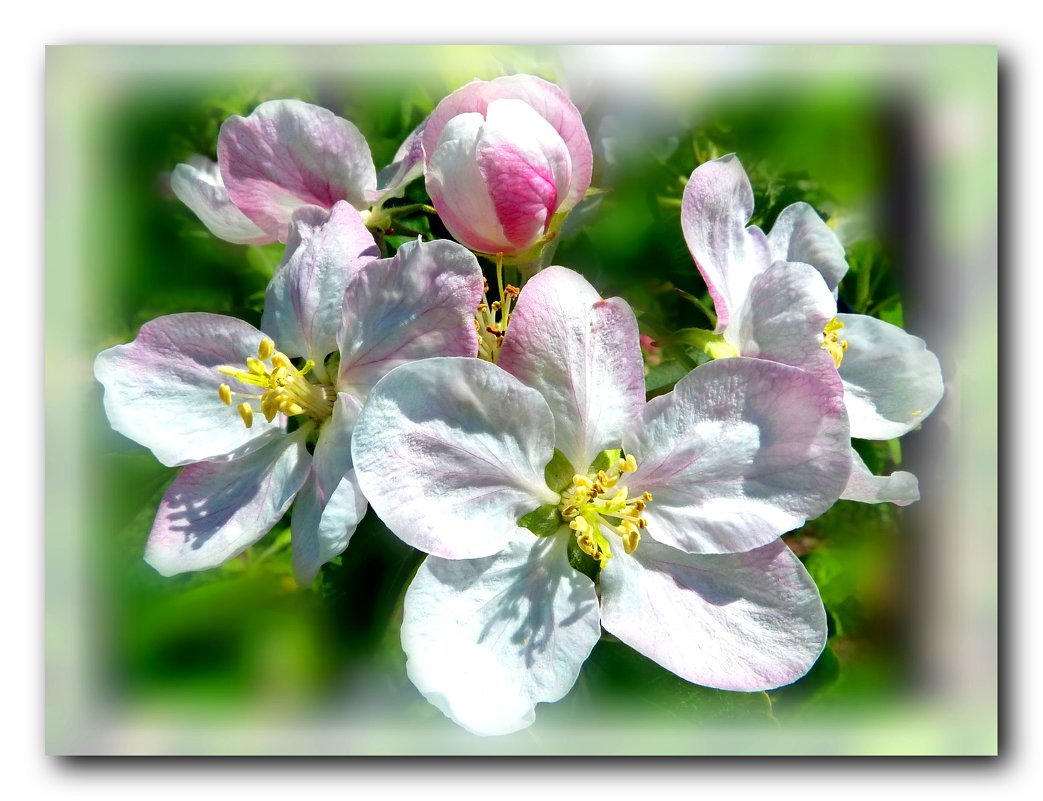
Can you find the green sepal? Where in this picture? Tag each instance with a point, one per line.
(582, 561)
(542, 521)
(559, 472)
(606, 459)
(706, 341)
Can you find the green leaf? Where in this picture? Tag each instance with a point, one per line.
(664, 375)
(542, 521)
(558, 472)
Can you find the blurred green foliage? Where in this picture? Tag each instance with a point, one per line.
(245, 635)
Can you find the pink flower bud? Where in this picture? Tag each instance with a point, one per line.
(503, 158)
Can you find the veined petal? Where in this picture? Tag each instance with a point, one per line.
(198, 185)
(330, 503)
(458, 189)
(304, 302)
(407, 165)
(162, 389)
(747, 621)
(488, 639)
(787, 308)
(451, 452)
(418, 304)
(289, 154)
(891, 381)
(717, 204)
(546, 99)
(215, 510)
(799, 234)
(583, 354)
(900, 488)
(739, 452)
(526, 168)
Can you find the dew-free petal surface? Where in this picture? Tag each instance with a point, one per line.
(799, 234)
(198, 185)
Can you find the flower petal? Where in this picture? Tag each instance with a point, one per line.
(450, 453)
(215, 510)
(198, 185)
(900, 488)
(739, 452)
(407, 165)
(161, 390)
(289, 154)
(546, 99)
(748, 621)
(717, 204)
(787, 308)
(891, 381)
(799, 234)
(488, 639)
(583, 354)
(526, 168)
(458, 189)
(330, 504)
(418, 304)
(305, 299)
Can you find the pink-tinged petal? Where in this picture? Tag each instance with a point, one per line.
(450, 453)
(900, 488)
(747, 621)
(583, 354)
(418, 304)
(717, 204)
(161, 390)
(407, 165)
(304, 302)
(739, 452)
(198, 185)
(488, 639)
(799, 234)
(526, 169)
(215, 510)
(289, 154)
(787, 308)
(458, 189)
(330, 504)
(546, 99)
(891, 381)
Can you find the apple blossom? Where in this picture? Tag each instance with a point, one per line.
(775, 298)
(512, 474)
(285, 155)
(336, 319)
(505, 161)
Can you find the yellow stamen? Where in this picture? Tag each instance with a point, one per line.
(831, 341)
(225, 393)
(266, 349)
(247, 414)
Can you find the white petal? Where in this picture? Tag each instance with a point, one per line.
(891, 381)
(215, 510)
(583, 354)
(900, 488)
(330, 504)
(162, 389)
(799, 234)
(488, 639)
(418, 304)
(450, 453)
(305, 298)
(198, 185)
(749, 621)
(739, 452)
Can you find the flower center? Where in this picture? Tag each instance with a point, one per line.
(593, 505)
(832, 343)
(491, 318)
(287, 390)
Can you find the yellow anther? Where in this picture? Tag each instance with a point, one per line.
(280, 359)
(225, 393)
(647, 496)
(247, 414)
(582, 481)
(266, 349)
(629, 465)
(256, 366)
(831, 341)
(570, 511)
(630, 541)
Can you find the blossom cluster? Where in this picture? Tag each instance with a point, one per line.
(512, 439)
